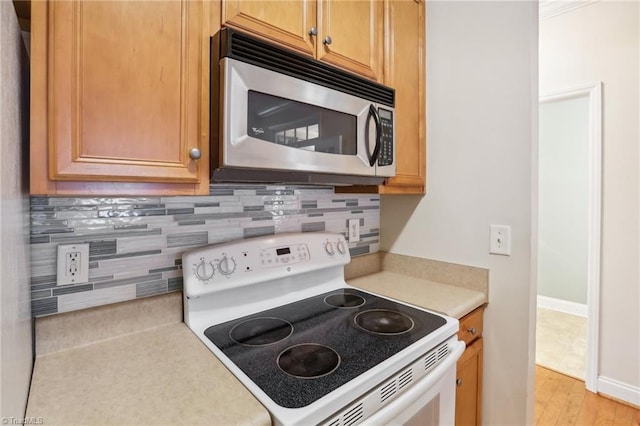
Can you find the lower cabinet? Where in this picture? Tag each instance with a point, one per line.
(469, 372)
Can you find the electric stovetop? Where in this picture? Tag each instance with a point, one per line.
(299, 352)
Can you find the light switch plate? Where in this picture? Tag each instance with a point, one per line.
(500, 240)
(73, 264)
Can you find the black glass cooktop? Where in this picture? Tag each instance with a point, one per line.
(300, 352)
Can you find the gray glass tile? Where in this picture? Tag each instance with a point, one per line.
(352, 203)
(315, 214)
(102, 247)
(253, 208)
(131, 213)
(355, 251)
(125, 255)
(372, 234)
(151, 288)
(274, 192)
(256, 232)
(221, 191)
(313, 227)
(262, 218)
(93, 265)
(40, 294)
(168, 268)
(309, 205)
(174, 284)
(42, 215)
(129, 227)
(40, 239)
(191, 222)
(178, 262)
(39, 231)
(187, 239)
(179, 211)
(45, 279)
(47, 306)
(207, 204)
(39, 201)
(72, 289)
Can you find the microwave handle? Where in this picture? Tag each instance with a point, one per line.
(373, 112)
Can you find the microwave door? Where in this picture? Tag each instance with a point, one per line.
(274, 121)
(385, 161)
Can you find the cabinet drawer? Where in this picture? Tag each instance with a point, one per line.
(471, 326)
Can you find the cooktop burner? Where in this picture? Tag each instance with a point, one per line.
(383, 321)
(261, 331)
(326, 345)
(308, 360)
(344, 300)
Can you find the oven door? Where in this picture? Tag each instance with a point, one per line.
(429, 402)
(272, 121)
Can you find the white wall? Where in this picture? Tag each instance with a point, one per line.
(482, 102)
(601, 42)
(15, 308)
(563, 199)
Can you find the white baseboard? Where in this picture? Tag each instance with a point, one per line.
(619, 390)
(560, 305)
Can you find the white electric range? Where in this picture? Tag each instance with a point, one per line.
(313, 350)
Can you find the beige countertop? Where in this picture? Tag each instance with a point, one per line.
(444, 298)
(159, 376)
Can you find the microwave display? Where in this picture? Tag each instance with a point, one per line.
(300, 126)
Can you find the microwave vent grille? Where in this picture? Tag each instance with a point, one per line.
(245, 48)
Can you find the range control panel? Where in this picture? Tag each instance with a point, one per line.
(221, 266)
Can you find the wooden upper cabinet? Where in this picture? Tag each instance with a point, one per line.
(287, 23)
(127, 97)
(354, 28)
(350, 35)
(405, 71)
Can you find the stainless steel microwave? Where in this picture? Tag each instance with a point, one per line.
(278, 116)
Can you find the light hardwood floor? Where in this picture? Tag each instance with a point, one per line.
(562, 400)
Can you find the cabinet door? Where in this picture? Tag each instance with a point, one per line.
(405, 71)
(355, 31)
(286, 22)
(126, 87)
(469, 386)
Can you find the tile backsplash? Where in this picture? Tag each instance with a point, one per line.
(136, 244)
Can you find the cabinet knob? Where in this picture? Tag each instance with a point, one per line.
(313, 31)
(472, 331)
(195, 154)
(458, 382)
(327, 40)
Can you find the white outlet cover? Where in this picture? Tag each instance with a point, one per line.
(354, 230)
(80, 277)
(500, 240)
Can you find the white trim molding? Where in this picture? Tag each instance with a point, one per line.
(551, 8)
(573, 308)
(619, 390)
(594, 93)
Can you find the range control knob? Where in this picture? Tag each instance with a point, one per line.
(204, 270)
(227, 265)
(342, 249)
(328, 247)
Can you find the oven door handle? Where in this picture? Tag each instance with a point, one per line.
(406, 405)
(373, 112)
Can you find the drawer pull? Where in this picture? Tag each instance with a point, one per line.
(472, 331)
(458, 382)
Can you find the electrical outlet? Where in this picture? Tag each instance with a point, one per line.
(73, 264)
(354, 230)
(500, 240)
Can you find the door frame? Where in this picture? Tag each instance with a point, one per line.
(594, 93)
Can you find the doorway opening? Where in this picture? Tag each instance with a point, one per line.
(569, 222)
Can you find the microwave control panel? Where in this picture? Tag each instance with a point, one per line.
(385, 157)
